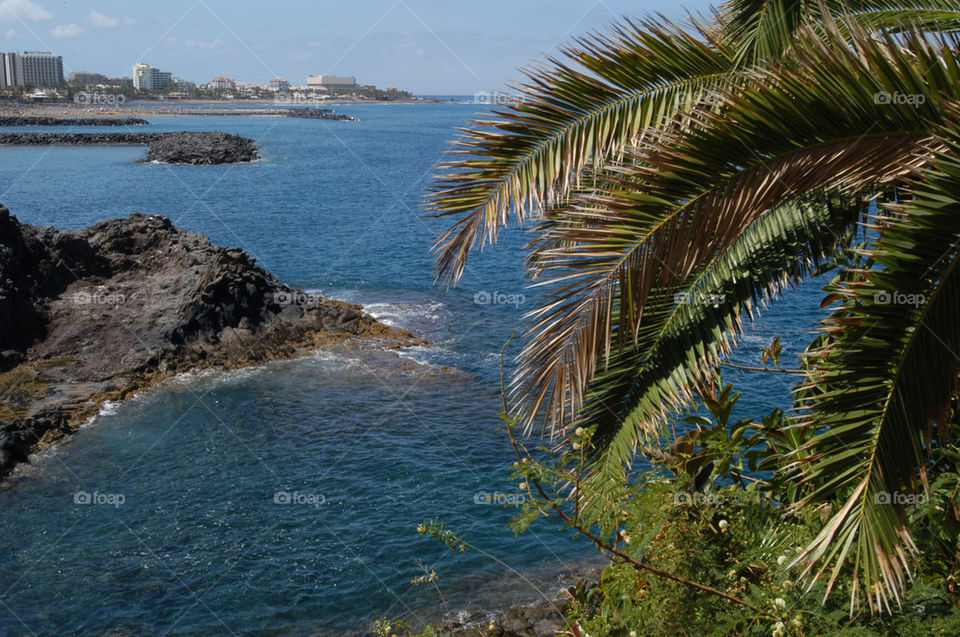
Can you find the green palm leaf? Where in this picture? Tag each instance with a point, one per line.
(885, 380)
(659, 217)
(532, 152)
(762, 30)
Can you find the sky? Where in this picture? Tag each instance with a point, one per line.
(449, 47)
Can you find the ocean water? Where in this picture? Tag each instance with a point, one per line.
(284, 499)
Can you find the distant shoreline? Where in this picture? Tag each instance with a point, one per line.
(192, 108)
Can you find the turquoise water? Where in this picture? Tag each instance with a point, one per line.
(188, 536)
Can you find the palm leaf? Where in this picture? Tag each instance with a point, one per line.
(671, 206)
(679, 346)
(763, 30)
(885, 381)
(529, 154)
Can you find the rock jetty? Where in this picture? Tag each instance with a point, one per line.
(319, 113)
(174, 148)
(94, 314)
(202, 148)
(17, 120)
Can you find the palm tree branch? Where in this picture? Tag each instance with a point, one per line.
(877, 420)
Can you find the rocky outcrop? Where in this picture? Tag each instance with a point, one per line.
(536, 620)
(202, 148)
(94, 314)
(319, 113)
(18, 120)
(173, 148)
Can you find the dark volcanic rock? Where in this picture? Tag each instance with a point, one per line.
(93, 314)
(15, 120)
(173, 148)
(202, 148)
(79, 139)
(319, 113)
(536, 620)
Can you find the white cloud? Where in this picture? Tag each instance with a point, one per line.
(203, 45)
(103, 21)
(66, 30)
(98, 19)
(22, 10)
(11, 34)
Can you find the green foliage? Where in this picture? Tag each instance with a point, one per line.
(702, 513)
(439, 531)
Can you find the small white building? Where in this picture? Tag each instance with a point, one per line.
(222, 82)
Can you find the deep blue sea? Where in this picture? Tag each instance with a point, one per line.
(198, 544)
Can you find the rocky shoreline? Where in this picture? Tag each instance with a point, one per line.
(194, 148)
(99, 313)
(542, 618)
(18, 120)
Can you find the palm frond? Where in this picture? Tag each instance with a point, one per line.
(884, 382)
(763, 30)
(529, 154)
(655, 219)
(684, 337)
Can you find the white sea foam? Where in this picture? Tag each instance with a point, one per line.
(109, 408)
(425, 319)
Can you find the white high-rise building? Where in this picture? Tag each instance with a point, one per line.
(36, 68)
(11, 70)
(150, 78)
(42, 68)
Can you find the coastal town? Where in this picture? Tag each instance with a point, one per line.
(38, 76)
